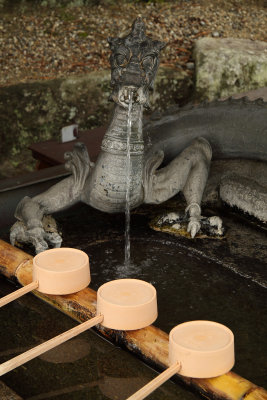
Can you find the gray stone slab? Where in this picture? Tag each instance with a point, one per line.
(228, 66)
(252, 95)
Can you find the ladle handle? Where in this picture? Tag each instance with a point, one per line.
(50, 344)
(18, 293)
(158, 381)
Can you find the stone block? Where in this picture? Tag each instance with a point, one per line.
(228, 66)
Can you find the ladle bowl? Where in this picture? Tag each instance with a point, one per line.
(61, 271)
(205, 349)
(127, 304)
(56, 271)
(197, 349)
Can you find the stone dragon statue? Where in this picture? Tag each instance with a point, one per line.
(186, 152)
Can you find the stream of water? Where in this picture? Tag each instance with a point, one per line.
(127, 252)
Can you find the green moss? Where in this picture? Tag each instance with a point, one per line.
(83, 34)
(66, 16)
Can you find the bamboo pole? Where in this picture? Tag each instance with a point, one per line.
(150, 344)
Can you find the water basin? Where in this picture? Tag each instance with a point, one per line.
(199, 279)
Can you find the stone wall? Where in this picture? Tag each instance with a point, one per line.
(34, 112)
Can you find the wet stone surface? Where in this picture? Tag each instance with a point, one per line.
(220, 280)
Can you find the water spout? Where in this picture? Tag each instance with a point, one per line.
(127, 253)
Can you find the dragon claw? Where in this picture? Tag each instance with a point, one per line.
(193, 227)
(54, 238)
(38, 237)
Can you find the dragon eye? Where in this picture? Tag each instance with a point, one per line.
(148, 62)
(120, 60)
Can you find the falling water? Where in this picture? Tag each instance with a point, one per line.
(127, 252)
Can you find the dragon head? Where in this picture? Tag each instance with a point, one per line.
(134, 62)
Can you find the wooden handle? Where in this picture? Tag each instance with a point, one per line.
(18, 293)
(153, 385)
(50, 344)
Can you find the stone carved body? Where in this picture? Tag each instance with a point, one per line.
(134, 63)
(106, 189)
(237, 132)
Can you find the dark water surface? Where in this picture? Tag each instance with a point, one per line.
(191, 277)
(86, 367)
(221, 281)
(192, 288)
